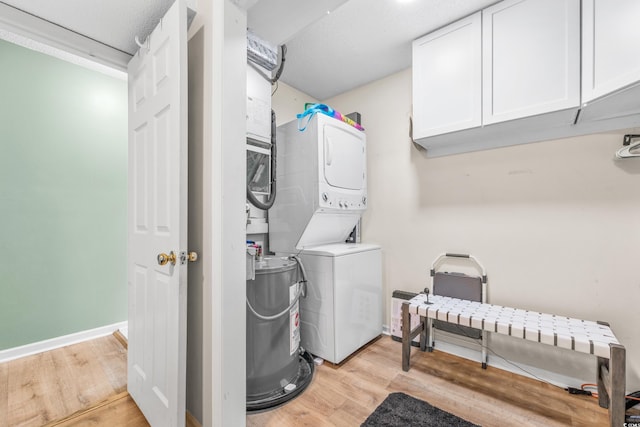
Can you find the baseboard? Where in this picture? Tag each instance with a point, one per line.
(63, 341)
(386, 330)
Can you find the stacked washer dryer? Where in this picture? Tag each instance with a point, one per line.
(322, 194)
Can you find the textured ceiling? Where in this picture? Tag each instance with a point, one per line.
(278, 21)
(328, 53)
(111, 22)
(364, 40)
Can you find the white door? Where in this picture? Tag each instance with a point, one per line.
(158, 221)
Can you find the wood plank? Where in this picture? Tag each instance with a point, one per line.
(84, 412)
(321, 399)
(473, 406)
(33, 385)
(192, 421)
(112, 357)
(121, 412)
(84, 366)
(50, 386)
(505, 386)
(122, 339)
(364, 366)
(490, 397)
(349, 414)
(4, 394)
(343, 395)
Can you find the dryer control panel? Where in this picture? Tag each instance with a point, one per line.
(335, 200)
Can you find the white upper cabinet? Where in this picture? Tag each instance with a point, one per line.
(531, 58)
(447, 79)
(610, 46)
(514, 72)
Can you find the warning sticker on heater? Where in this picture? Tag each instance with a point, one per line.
(294, 320)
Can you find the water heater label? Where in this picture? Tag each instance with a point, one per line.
(294, 320)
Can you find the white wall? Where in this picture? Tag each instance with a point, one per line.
(554, 223)
(288, 101)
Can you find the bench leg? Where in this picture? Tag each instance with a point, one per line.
(406, 336)
(484, 349)
(611, 384)
(409, 334)
(424, 334)
(617, 369)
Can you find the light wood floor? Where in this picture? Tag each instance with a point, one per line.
(345, 396)
(84, 385)
(46, 387)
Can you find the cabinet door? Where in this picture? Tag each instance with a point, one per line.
(447, 79)
(531, 58)
(610, 46)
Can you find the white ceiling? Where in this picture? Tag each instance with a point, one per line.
(328, 53)
(100, 20)
(364, 40)
(279, 21)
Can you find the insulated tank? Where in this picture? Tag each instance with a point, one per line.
(272, 344)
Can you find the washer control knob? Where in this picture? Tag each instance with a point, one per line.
(341, 204)
(364, 200)
(325, 196)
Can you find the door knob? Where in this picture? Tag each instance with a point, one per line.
(172, 258)
(164, 258)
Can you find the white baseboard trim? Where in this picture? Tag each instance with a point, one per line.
(386, 330)
(53, 343)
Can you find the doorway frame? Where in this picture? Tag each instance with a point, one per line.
(223, 187)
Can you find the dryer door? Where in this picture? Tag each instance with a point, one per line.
(344, 157)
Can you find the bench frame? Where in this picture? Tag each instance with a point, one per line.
(610, 373)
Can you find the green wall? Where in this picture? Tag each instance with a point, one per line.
(63, 197)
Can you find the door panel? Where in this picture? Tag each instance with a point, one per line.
(530, 58)
(447, 79)
(610, 41)
(157, 221)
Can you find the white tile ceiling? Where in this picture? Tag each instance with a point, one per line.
(358, 42)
